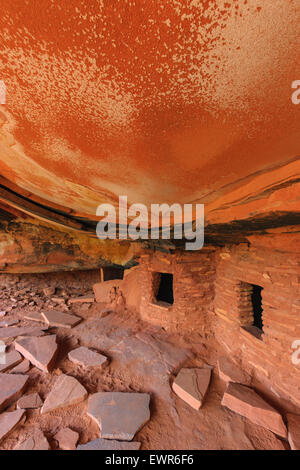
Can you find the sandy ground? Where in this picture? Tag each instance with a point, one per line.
(142, 358)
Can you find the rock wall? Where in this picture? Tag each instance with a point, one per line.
(34, 246)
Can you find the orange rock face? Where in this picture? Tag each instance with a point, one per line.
(162, 101)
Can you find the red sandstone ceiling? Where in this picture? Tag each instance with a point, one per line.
(160, 100)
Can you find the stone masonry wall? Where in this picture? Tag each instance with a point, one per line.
(269, 360)
(193, 288)
(212, 295)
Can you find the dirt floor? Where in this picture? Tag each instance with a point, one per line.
(142, 358)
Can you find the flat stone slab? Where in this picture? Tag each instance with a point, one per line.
(109, 444)
(36, 442)
(66, 391)
(11, 388)
(21, 368)
(34, 316)
(11, 359)
(148, 356)
(40, 351)
(9, 421)
(293, 430)
(230, 372)
(246, 402)
(86, 357)
(60, 319)
(81, 300)
(191, 385)
(67, 439)
(58, 300)
(6, 323)
(119, 415)
(101, 333)
(14, 331)
(31, 401)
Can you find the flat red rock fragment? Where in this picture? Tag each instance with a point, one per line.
(7, 323)
(246, 402)
(191, 385)
(11, 388)
(31, 401)
(9, 421)
(21, 368)
(60, 319)
(119, 415)
(40, 351)
(67, 439)
(34, 316)
(86, 357)
(66, 391)
(14, 331)
(11, 359)
(36, 442)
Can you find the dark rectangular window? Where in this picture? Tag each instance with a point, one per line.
(251, 309)
(257, 306)
(165, 288)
